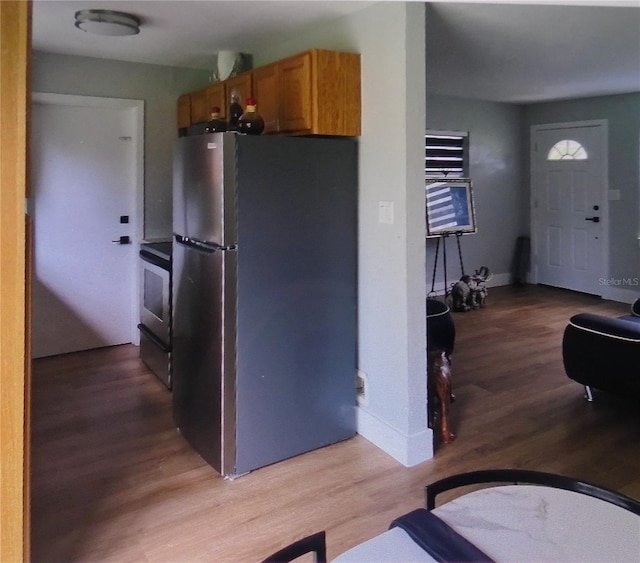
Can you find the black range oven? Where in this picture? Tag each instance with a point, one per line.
(155, 308)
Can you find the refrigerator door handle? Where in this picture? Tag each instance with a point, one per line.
(203, 246)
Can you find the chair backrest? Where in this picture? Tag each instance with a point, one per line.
(527, 477)
(316, 543)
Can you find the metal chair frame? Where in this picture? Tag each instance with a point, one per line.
(527, 477)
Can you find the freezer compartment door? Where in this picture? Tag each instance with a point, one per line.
(203, 381)
(200, 207)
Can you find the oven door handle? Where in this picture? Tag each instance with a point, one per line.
(144, 330)
(205, 247)
(155, 260)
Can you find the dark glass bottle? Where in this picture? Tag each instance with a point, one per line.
(235, 111)
(250, 121)
(216, 124)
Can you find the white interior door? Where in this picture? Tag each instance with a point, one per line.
(83, 174)
(570, 205)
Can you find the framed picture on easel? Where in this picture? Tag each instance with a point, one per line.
(449, 207)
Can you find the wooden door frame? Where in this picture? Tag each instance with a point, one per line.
(15, 376)
(603, 125)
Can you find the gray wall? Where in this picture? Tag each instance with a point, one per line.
(623, 115)
(496, 144)
(499, 166)
(158, 86)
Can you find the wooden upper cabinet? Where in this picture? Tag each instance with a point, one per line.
(296, 93)
(215, 97)
(336, 86)
(316, 92)
(242, 84)
(184, 111)
(200, 112)
(265, 91)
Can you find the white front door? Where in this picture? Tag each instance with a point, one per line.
(83, 176)
(570, 205)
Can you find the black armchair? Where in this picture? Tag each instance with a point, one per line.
(604, 352)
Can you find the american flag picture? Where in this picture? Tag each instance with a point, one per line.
(449, 207)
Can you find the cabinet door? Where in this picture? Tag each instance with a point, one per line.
(265, 91)
(215, 97)
(199, 110)
(337, 93)
(242, 85)
(184, 111)
(295, 95)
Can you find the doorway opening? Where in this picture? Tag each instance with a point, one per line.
(87, 208)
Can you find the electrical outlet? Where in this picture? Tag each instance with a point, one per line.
(362, 387)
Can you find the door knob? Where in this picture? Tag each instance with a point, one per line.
(594, 219)
(123, 240)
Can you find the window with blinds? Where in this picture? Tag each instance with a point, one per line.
(446, 154)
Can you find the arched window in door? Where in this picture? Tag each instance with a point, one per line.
(567, 149)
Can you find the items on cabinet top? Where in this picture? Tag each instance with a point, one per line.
(316, 92)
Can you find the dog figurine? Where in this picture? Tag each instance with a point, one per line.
(462, 294)
(480, 297)
(470, 292)
(440, 395)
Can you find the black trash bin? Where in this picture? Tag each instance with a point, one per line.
(441, 330)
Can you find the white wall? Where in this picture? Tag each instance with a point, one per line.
(159, 87)
(391, 263)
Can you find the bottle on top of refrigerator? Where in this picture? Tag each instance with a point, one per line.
(235, 111)
(250, 121)
(216, 124)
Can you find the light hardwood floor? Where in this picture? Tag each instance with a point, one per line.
(114, 481)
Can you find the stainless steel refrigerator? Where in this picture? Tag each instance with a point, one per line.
(264, 296)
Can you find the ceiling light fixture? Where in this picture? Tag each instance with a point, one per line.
(107, 22)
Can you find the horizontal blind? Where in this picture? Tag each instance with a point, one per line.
(444, 155)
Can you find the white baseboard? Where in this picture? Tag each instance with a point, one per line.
(614, 293)
(499, 279)
(409, 450)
